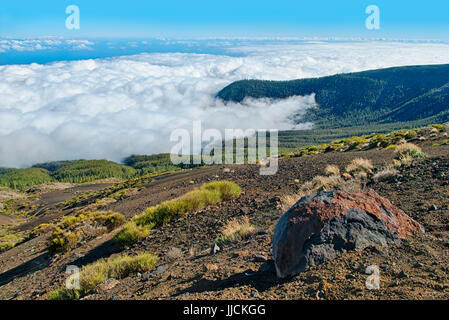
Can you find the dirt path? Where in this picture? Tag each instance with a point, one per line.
(5, 219)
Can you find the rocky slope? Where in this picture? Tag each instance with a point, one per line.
(417, 268)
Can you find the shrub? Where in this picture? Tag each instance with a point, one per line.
(228, 190)
(71, 230)
(321, 183)
(132, 233)
(385, 174)
(93, 274)
(161, 214)
(110, 220)
(332, 170)
(235, 230)
(360, 164)
(439, 127)
(9, 239)
(287, 201)
(406, 152)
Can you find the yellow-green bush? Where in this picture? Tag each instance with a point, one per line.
(71, 230)
(161, 214)
(118, 267)
(131, 233)
(9, 239)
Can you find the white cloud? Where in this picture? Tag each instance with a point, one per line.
(111, 108)
(43, 44)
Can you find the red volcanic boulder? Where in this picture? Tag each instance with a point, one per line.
(320, 226)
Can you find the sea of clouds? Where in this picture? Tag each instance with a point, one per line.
(111, 108)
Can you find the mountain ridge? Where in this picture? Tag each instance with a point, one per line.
(368, 97)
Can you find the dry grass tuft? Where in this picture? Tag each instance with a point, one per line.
(117, 267)
(235, 230)
(332, 170)
(360, 165)
(406, 152)
(385, 174)
(287, 201)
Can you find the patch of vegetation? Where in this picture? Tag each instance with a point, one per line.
(132, 232)
(406, 152)
(20, 179)
(87, 225)
(360, 165)
(146, 164)
(159, 215)
(235, 230)
(332, 170)
(385, 174)
(388, 141)
(91, 170)
(9, 238)
(92, 275)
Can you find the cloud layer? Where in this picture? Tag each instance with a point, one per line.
(111, 108)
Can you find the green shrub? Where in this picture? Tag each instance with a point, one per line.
(118, 267)
(71, 230)
(132, 233)
(161, 214)
(228, 190)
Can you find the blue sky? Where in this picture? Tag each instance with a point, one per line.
(231, 18)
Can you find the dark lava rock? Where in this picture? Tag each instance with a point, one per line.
(320, 226)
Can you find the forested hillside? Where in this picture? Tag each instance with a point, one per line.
(402, 94)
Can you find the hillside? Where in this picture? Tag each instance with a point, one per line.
(81, 171)
(174, 260)
(402, 94)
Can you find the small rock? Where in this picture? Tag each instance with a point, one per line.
(107, 285)
(402, 275)
(214, 249)
(159, 270)
(260, 258)
(145, 276)
(346, 176)
(433, 208)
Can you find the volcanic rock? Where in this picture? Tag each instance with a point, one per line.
(320, 226)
